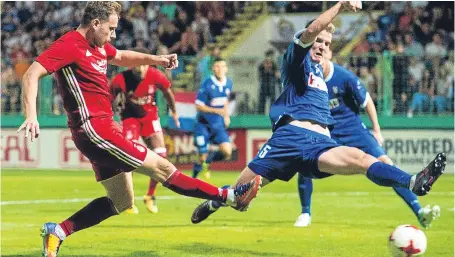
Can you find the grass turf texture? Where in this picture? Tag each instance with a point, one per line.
(351, 217)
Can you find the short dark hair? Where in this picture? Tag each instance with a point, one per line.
(100, 10)
(142, 50)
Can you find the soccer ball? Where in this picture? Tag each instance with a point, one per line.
(407, 241)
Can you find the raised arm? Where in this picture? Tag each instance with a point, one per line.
(318, 25)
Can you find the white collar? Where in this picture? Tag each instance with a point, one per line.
(217, 82)
(329, 77)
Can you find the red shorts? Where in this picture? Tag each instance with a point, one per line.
(145, 126)
(102, 142)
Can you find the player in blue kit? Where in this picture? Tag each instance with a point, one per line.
(300, 118)
(213, 119)
(346, 96)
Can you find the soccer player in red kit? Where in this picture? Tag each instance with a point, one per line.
(134, 92)
(79, 61)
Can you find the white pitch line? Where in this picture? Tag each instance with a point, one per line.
(173, 197)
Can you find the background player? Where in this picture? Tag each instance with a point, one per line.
(346, 96)
(134, 92)
(79, 60)
(213, 118)
(300, 119)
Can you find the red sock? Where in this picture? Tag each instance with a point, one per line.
(184, 185)
(152, 187)
(92, 214)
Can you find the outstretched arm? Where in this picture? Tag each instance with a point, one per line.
(30, 91)
(318, 25)
(129, 58)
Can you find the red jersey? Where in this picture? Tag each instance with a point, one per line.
(80, 70)
(139, 93)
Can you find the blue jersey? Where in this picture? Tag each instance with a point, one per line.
(346, 95)
(213, 93)
(305, 94)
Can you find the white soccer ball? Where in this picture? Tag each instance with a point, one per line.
(407, 241)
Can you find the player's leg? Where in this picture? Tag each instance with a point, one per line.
(201, 140)
(425, 215)
(220, 138)
(279, 158)
(305, 188)
(131, 130)
(344, 160)
(166, 173)
(120, 197)
(153, 137)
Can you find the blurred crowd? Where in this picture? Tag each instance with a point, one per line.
(417, 36)
(28, 28)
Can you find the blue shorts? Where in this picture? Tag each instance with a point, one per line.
(361, 139)
(203, 135)
(290, 150)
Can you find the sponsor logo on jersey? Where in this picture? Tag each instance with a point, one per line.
(100, 66)
(317, 82)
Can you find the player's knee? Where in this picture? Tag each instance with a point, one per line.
(366, 161)
(385, 159)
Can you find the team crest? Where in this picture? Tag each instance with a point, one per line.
(335, 90)
(228, 91)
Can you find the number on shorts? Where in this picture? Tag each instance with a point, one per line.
(264, 151)
(200, 140)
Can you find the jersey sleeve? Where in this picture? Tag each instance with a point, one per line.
(297, 50)
(57, 56)
(160, 79)
(202, 97)
(359, 90)
(111, 51)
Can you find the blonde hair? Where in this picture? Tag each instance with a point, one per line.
(100, 10)
(330, 28)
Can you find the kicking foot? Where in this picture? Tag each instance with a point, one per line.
(245, 193)
(423, 180)
(304, 220)
(202, 212)
(150, 203)
(428, 214)
(51, 241)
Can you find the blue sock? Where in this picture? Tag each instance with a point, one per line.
(387, 175)
(214, 157)
(410, 198)
(305, 186)
(197, 167)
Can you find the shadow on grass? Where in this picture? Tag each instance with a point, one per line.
(204, 249)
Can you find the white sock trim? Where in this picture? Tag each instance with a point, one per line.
(60, 233)
(412, 182)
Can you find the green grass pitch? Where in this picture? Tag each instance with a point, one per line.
(351, 217)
